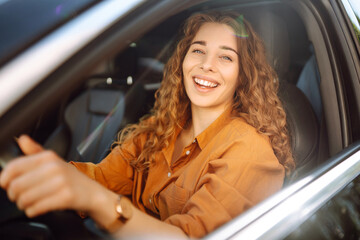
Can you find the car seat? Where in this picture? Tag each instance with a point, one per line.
(93, 118)
(96, 116)
(309, 82)
(301, 120)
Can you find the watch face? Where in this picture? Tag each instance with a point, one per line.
(124, 208)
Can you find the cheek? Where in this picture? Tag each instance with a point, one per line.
(234, 80)
(186, 65)
(185, 72)
(232, 76)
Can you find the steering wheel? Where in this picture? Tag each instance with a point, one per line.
(54, 225)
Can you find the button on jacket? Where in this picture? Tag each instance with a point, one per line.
(224, 171)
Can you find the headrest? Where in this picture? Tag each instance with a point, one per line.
(103, 101)
(273, 31)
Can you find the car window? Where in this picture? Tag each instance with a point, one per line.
(352, 8)
(22, 22)
(135, 73)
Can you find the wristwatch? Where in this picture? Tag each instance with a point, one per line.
(124, 211)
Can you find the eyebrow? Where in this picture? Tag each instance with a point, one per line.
(203, 43)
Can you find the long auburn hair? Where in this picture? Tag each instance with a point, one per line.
(255, 98)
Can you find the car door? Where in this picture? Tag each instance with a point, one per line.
(324, 204)
(43, 87)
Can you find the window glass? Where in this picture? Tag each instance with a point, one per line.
(339, 218)
(24, 21)
(353, 10)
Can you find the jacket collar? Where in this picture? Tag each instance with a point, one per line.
(210, 132)
(203, 138)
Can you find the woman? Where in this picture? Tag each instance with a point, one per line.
(215, 145)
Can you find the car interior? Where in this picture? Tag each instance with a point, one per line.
(85, 123)
(122, 90)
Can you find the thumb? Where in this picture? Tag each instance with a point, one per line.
(28, 146)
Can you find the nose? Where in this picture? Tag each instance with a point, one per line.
(208, 63)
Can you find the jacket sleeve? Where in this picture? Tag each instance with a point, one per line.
(114, 171)
(247, 173)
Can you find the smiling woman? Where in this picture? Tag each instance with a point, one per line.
(211, 68)
(214, 145)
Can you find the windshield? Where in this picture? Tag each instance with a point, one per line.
(24, 21)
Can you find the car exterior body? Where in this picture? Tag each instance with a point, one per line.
(106, 50)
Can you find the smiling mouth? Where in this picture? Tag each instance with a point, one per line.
(204, 83)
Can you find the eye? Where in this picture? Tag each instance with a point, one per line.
(197, 51)
(227, 58)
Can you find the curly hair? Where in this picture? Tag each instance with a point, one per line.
(255, 98)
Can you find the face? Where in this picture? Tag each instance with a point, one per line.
(211, 67)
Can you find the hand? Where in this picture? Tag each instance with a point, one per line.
(41, 181)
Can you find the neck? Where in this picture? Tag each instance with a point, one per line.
(201, 118)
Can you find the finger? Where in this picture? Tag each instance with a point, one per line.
(1, 179)
(29, 179)
(28, 146)
(21, 165)
(39, 192)
(59, 201)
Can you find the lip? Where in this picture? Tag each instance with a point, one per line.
(205, 89)
(209, 79)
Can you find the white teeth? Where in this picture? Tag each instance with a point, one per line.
(205, 83)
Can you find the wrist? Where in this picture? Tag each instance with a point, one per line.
(111, 211)
(101, 206)
(123, 210)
